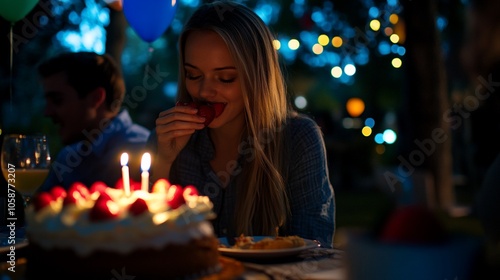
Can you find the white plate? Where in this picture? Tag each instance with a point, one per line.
(264, 253)
(5, 246)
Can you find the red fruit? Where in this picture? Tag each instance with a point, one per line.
(135, 186)
(119, 184)
(175, 197)
(99, 187)
(218, 108)
(189, 191)
(207, 112)
(81, 188)
(58, 192)
(413, 224)
(77, 193)
(104, 209)
(104, 196)
(71, 199)
(161, 186)
(138, 207)
(41, 200)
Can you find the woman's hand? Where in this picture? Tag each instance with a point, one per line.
(174, 127)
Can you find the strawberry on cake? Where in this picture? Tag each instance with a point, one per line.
(101, 233)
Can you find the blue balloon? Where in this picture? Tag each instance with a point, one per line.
(149, 18)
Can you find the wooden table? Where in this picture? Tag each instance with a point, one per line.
(313, 264)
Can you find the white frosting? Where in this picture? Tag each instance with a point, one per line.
(55, 226)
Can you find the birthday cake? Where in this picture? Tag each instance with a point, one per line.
(104, 233)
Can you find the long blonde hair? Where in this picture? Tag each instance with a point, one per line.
(262, 204)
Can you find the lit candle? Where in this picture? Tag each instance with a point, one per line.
(125, 173)
(145, 164)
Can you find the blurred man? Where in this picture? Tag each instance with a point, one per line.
(84, 93)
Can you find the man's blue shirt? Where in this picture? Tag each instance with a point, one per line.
(97, 157)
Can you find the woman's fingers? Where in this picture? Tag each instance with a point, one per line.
(170, 116)
(177, 126)
(166, 135)
(178, 121)
(182, 109)
(169, 136)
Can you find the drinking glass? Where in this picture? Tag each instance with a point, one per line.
(25, 162)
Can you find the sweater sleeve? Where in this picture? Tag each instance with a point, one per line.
(310, 192)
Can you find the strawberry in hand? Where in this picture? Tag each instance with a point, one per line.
(207, 110)
(218, 108)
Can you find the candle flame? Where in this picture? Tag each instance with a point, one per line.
(146, 162)
(124, 159)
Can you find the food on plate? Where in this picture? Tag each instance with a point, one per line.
(268, 243)
(101, 232)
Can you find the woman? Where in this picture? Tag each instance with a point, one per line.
(262, 165)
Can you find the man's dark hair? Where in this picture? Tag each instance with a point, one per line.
(87, 71)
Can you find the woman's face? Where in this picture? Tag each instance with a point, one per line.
(211, 75)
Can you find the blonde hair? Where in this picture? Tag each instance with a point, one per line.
(262, 204)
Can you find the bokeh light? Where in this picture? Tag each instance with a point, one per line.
(384, 48)
(323, 40)
(370, 122)
(373, 12)
(277, 44)
(379, 138)
(336, 72)
(375, 25)
(355, 107)
(394, 38)
(394, 18)
(388, 31)
(389, 136)
(337, 41)
(317, 49)
(366, 131)
(350, 69)
(300, 102)
(293, 44)
(396, 62)
(380, 149)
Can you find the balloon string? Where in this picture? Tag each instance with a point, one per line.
(150, 56)
(11, 63)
